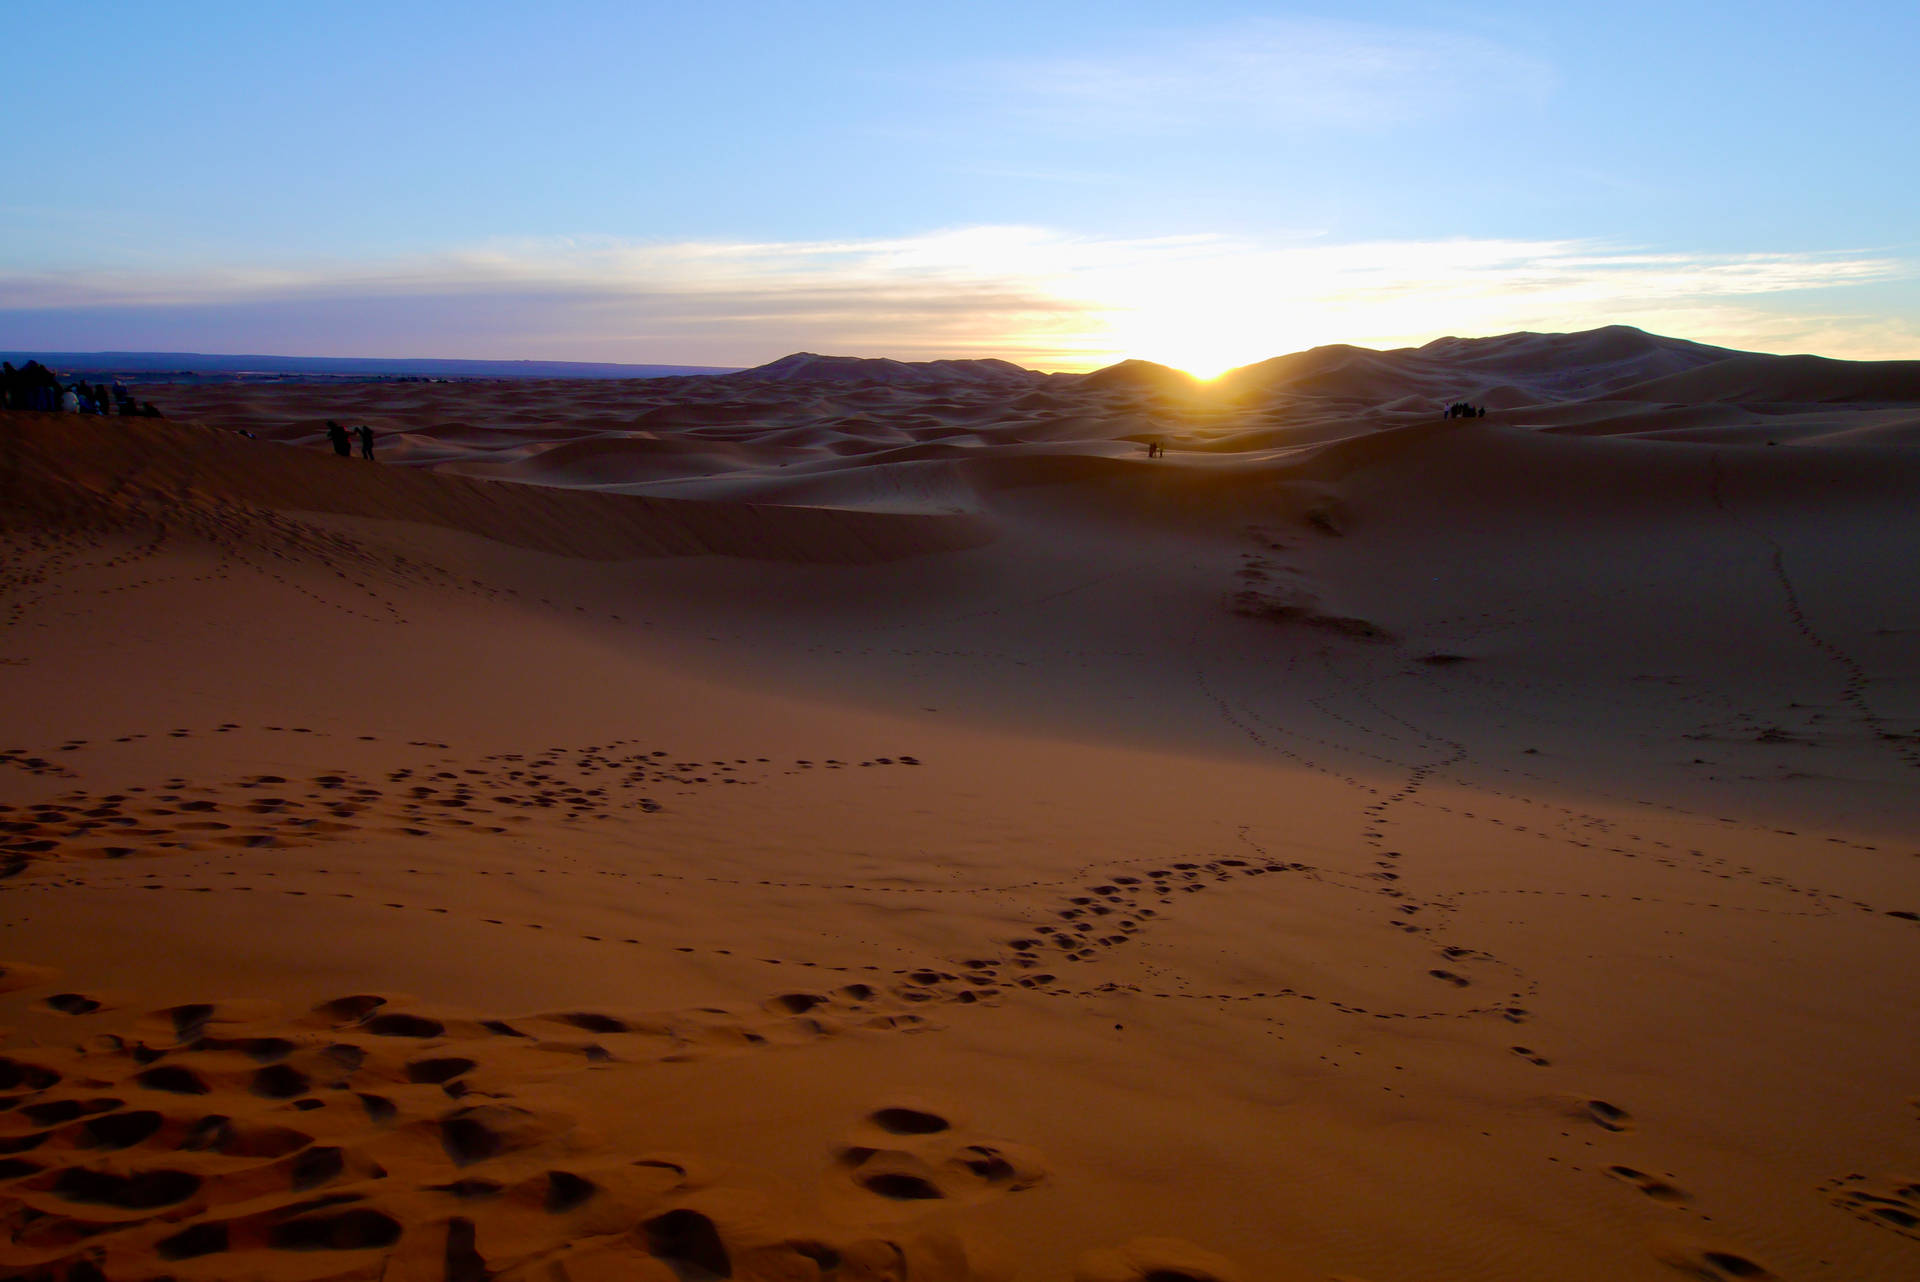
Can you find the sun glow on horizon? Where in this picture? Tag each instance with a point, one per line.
(1046, 299)
(1195, 309)
(1206, 306)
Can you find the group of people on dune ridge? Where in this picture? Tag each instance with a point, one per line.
(35, 387)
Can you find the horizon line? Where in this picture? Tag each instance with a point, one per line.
(676, 368)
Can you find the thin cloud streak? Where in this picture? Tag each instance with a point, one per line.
(1029, 294)
(1286, 74)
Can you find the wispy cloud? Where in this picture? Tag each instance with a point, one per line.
(1282, 73)
(1030, 294)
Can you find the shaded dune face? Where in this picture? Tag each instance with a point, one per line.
(850, 822)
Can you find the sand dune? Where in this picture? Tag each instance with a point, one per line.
(88, 470)
(1791, 379)
(860, 823)
(1583, 364)
(1535, 367)
(805, 411)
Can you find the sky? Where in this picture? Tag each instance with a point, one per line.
(1059, 184)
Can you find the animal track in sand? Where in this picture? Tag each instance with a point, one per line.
(1610, 1117)
(247, 539)
(1888, 1204)
(1107, 908)
(1403, 739)
(1854, 687)
(1115, 910)
(1653, 1186)
(1713, 1263)
(265, 811)
(21, 759)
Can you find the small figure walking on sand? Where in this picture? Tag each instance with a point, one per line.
(366, 442)
(338, 435)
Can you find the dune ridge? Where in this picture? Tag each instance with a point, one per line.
(817, 426)
(64, 470)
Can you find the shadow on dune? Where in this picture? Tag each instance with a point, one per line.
(70, 470)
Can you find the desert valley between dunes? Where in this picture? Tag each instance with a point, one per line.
(854, 820)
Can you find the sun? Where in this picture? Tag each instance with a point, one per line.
(1206, 352)
(1205, 332)
(1204, 368)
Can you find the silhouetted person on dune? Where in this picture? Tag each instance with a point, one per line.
(338, 435)
(366, 442)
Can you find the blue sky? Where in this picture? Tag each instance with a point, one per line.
(1060, 184)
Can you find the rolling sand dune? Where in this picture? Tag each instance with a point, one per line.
(853, 821)
(1787, 379)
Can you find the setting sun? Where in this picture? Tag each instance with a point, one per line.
(1205, 327)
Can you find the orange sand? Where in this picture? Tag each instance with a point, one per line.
(793, 830)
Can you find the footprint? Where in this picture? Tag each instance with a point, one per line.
(119, 1130)
(173, 1079)
(191, 1243)
(1652, 1185)
(1154, 1260)
(689, 1243)
(481, 1132)
(279, 1081)
(74, 1003)
(908, 1121)
(1888, 1204)
(349, 1010)
(907, 1153)
(398, 1025)
(1714, 1264)
(140, 1191)
(1609, 1116)
(355, 1230)
(898, 1186)
(438, 1072)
